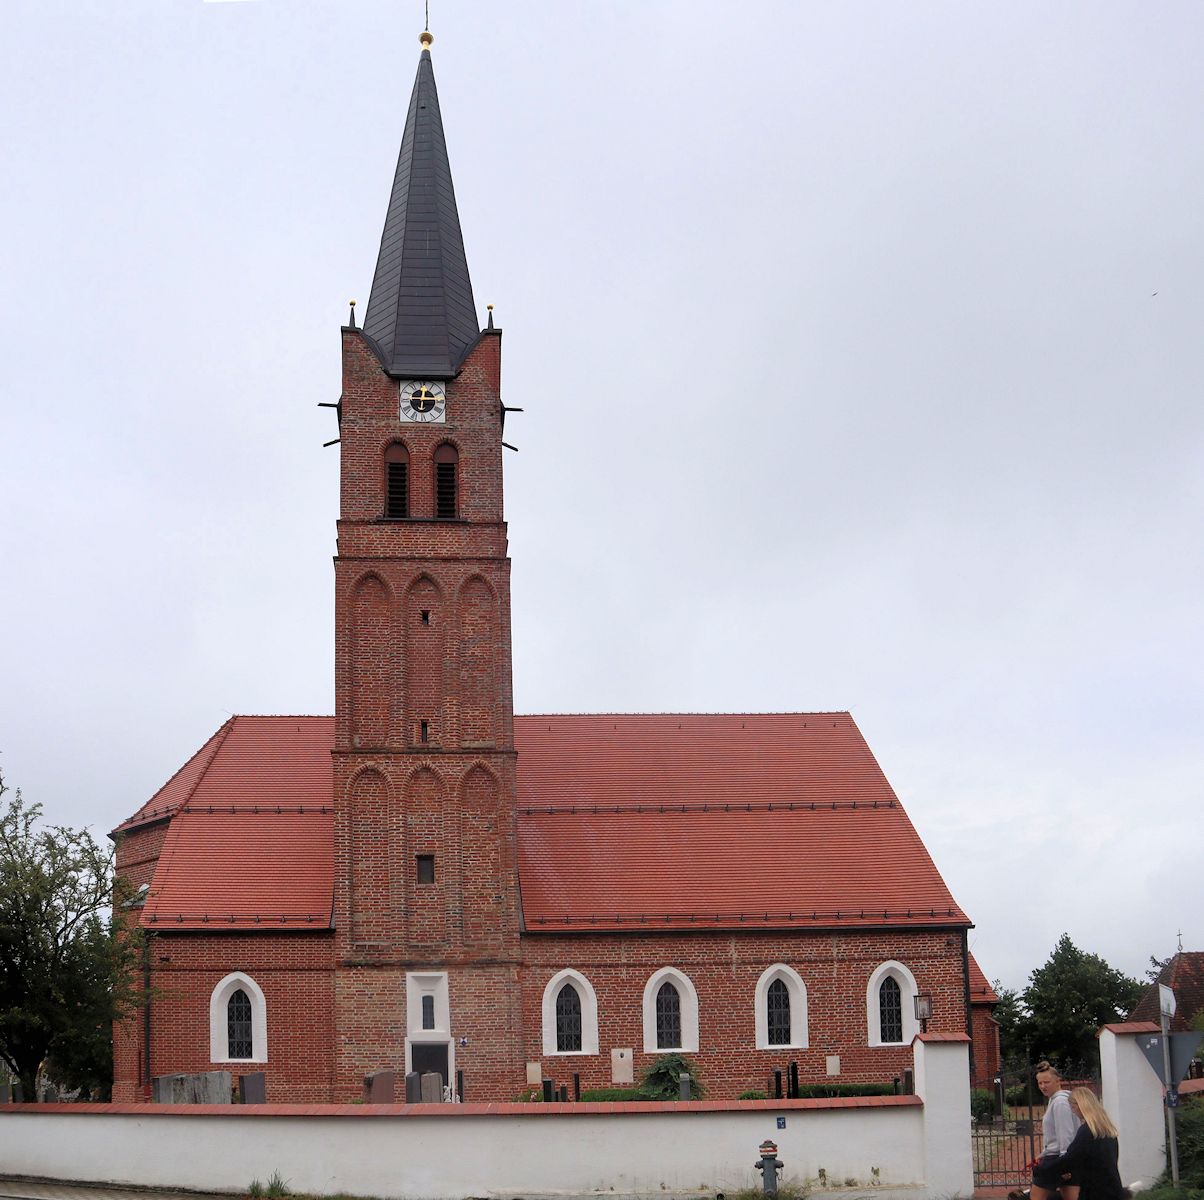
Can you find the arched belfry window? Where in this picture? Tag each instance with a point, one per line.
(397, 482)
(446, 465)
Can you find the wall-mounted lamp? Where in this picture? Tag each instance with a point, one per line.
(923, 1002)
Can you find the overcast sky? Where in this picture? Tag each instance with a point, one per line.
(860, 352)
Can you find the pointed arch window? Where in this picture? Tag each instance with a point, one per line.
(568, 1020)
(238, 1021)
(668, 1017)
(781, 1009)
(670, 1012)
(446, 499)
(570, 1014)
(397, 482)
(238, 1025)
(777, 1000)
(890, 1010)
(890, 1005)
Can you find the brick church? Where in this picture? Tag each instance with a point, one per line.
(425, 881)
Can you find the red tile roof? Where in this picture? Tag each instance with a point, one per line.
(659, 821)
(981, 991)
(253, 844)
(1184, 975)
(688, 821)
(179, 787)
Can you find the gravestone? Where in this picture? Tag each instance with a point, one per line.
(432, 1088)
(379, 1087)
(413, 1088)
(253, 1088)
(205, 1087)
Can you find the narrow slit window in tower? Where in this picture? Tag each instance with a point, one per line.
(426, 868)
(424, 731)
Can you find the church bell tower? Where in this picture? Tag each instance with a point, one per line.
(426, 885)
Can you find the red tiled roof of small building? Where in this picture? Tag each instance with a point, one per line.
(655, 821)
(1184, 975)
(692, 821)
(252, 846)
(981, 991)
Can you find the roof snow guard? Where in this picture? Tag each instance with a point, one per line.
(421, 315)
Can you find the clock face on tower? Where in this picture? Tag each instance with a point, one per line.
(423, 401)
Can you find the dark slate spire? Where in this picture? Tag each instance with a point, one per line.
(421, 313)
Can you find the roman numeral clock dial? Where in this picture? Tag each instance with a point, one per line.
(423, 402)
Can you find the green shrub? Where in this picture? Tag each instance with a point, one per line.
(661, 1079)
(982, 1104)
(1017, 1096)
(829, 1091)
(754, 1095)
(277, 1186)
(611, 1095)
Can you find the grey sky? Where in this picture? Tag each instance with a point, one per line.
(846, 386)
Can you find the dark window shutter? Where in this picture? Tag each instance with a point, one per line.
(397, 482)
(446, 501)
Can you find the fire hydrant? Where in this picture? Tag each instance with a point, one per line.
(769, 1166)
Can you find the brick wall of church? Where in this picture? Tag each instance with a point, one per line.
(295, 973)
(725, 968)
(986, 1047)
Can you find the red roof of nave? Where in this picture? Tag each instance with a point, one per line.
(689, 821)
(669, 820)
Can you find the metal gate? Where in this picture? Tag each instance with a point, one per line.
(1006, 1144)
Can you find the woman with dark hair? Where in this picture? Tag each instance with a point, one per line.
(1092, 1153)
(1059, 1126)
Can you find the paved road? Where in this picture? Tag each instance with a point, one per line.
(41, 1189)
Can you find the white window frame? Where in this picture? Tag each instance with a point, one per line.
(797, 990)
(219, 1029)
(589, 1013)
(689, 1011)
(429, 983)
(907, 993)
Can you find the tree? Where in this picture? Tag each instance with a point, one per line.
(1011, 1018)
(67, 966)
(1068, 999)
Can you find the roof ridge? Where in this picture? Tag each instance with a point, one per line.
(215, 740)
(833, 712)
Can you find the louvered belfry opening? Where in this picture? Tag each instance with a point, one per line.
(397, 483)
(446, 460)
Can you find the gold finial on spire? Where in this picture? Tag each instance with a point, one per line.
(490, 308)
(351, 322)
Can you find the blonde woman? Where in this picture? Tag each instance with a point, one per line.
(1058, 1128)
(1092, 1153)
